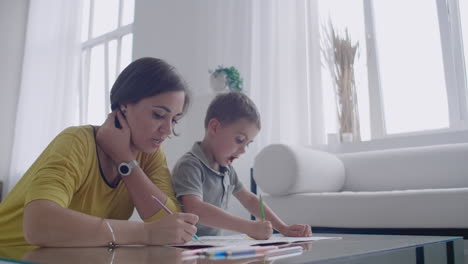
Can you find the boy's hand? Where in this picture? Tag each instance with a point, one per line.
(297, 231)
(260, 230)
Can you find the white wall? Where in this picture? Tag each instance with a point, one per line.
(194, 37)
(13, 18)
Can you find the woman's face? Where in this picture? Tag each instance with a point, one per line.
(151, 119)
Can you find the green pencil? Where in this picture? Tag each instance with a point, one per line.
(262, 210)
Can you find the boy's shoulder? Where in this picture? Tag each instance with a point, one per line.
(188, 160)
(192, 157)
(188, 166)
(188, 157)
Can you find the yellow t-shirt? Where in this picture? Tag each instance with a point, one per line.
(68, 173)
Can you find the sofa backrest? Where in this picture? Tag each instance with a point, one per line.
(438, 166)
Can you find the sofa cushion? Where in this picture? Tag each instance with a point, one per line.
(428, 208)
(284, 169)
(439, 166)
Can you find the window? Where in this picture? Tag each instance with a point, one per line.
(411, 74)
(411, 68)
(107, 40)
(463, 12)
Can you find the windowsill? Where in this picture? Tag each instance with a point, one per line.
(416, 139)
(426, 132)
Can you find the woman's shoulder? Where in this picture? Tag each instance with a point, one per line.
(78, 131)
(156, 156)
(83, 135)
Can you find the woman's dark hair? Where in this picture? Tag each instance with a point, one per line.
(144, 78)
(147, 77)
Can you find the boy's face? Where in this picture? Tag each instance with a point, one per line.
(231, 140)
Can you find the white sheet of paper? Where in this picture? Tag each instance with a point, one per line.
(244, 240)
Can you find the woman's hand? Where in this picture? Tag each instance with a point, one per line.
(115, 142)
(261, 230)
(177, 228)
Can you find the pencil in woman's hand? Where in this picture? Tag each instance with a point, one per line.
(168, 211)
(161, 204)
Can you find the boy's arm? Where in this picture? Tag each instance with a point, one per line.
(214, 216)
(251, 202)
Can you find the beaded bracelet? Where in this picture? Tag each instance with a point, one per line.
(112, 243)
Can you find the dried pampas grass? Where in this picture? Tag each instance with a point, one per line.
(338, 55)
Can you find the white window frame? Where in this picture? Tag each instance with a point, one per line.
(86, 48)
(452, 50)
(454, 70)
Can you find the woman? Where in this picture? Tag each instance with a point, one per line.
(83, 188)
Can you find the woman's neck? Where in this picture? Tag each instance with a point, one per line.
(107, 164)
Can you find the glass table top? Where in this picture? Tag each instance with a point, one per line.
(322, 251)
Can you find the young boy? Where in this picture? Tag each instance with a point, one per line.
(204, 180)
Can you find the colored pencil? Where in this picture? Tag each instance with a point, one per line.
(168, 211)
(262, 209)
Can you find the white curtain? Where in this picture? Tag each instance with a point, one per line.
(285, 71)
(48, 97)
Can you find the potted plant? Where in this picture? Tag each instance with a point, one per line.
(226, 78)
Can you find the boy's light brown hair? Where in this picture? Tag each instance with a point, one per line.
(229, 107)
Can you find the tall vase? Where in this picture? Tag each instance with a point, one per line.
(348, 112)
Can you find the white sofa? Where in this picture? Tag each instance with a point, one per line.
(402, 190)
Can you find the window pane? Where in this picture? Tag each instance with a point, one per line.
(96, 100)
(410, 65)
(112, 62)
(85, 20)
(463, 5)
(84, 85)
(128, 12)
(105, 17)
(346, 14)
(126, 55)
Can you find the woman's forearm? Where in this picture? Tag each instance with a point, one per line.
(47, 224)
(141, 190)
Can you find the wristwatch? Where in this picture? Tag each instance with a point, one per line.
(125, 168)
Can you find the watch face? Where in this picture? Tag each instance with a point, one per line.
(124, 169)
